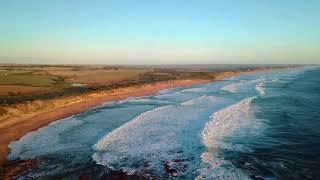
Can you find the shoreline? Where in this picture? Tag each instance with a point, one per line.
(14, 128)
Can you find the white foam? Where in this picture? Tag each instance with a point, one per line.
(197, 90)
(231, 88)
(260, 88)
(149, 101)
(164, 135)
(72, 134)
(225, 121)
(29, 146)
(166, 91)
(201, 100)
(234, 87)
(222, 124)
(218, 168)
(150, 139)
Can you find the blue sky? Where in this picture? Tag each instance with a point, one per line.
(160, 32)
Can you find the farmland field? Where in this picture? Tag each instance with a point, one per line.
(27, 79)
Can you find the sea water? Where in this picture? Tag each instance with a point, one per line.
(258, 125)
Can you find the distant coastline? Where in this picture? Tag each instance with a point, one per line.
(22, 122)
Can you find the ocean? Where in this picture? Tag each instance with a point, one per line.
(262, 125)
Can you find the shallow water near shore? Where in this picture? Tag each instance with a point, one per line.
(263, 124)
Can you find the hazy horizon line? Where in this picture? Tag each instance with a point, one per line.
(186, 64)
(37, 59)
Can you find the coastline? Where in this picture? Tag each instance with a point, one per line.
(14, 128)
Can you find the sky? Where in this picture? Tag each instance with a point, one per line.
(159, 31)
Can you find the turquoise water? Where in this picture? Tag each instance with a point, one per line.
(264, 124)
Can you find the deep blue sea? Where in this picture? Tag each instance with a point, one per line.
(263, 125)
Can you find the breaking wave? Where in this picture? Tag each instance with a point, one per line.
(225, 121)
(147, 143)
(235, 87)
(201, 100)
(162, 142)
(195, 90)
(231, 88)
(222, 124)
(260, 88)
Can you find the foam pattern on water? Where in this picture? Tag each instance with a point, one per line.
(238, 86)
(260, 88)
(222, 124)
(225, 121)
(158, 138)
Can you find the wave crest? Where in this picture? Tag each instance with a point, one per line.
(149, 142)
(260, 88)
(223, 123)
(160, 142)
(234, 87)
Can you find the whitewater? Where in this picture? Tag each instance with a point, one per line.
(176, 133)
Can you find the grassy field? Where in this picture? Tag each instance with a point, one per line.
(96, 76)
(53, 76)
(27, 79)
